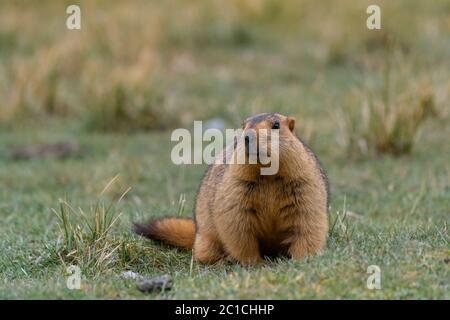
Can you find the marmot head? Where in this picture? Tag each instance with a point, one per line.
(269, 121)
(263, 141)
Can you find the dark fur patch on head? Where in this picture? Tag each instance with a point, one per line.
(262, 117)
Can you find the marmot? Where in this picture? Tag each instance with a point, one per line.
(241, 215)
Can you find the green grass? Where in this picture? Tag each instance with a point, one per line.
(403, 203)
(230, 61)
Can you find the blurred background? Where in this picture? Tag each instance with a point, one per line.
(152, 65)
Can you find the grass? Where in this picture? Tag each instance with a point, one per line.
(90, 74)
(389, 112)
(86, 241)
(402, 227)
(226, 60)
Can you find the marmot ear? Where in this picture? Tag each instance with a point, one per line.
(291, 123)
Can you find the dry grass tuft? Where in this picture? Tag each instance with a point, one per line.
(385, 117)
(87, 237)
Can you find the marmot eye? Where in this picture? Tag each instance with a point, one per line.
(276, 125)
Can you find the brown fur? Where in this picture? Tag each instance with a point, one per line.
(243, 216)
(173, 231)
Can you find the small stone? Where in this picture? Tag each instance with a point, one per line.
(129, 275)
(161, 283)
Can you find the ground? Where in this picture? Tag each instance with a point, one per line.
(403, 226)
